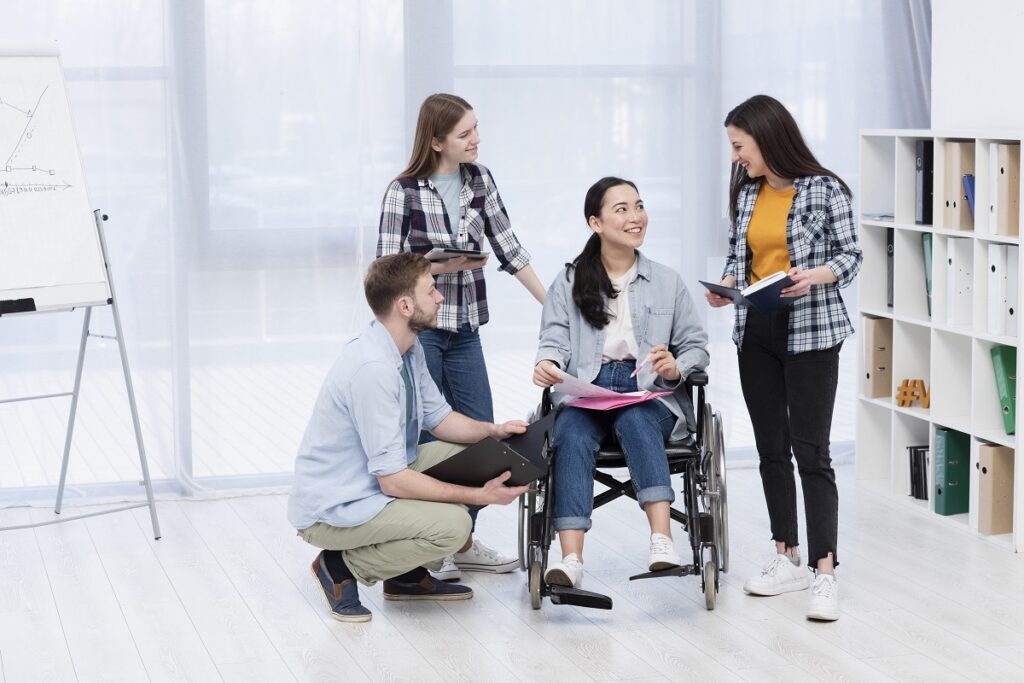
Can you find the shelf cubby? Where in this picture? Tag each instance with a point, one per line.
(950, 349)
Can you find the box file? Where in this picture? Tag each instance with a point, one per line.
(952, 449)
(926, 246)
(890, 265)
(1012, 291)
(958, 281)
(877, 357)
(995, 489)
(997, 288)
(1004, 365)
(925, 170)
(1004, 192)
(959, 162)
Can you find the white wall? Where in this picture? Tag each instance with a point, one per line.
(977, 55)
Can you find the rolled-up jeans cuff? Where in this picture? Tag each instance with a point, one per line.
(655, 494)
(566, 523)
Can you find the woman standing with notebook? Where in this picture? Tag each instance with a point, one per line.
(444, 199)
(616, 319)
(790, 213)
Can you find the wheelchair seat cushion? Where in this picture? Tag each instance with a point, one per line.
(611, 454)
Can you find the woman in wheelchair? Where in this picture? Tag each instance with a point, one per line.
(624, 322)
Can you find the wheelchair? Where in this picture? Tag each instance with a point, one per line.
(704, 516)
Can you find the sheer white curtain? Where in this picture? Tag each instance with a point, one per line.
(839, 66)
(242, 147)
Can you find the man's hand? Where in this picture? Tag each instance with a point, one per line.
(544, 374)
(507, 429)
(495, 492)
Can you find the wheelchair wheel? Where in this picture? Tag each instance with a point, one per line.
(535, 582)
(523, 516)
(715, 499)
(710, 581)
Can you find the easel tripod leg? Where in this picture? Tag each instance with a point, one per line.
(73, 410)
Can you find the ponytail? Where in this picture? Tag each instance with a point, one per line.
(592, 284)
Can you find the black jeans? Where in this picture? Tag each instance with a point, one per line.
(790, 398)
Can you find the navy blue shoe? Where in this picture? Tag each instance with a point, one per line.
(427, 588)
(342, 598)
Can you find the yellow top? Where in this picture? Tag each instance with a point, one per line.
(766, 234)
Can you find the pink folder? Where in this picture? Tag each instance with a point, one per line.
(612, 402)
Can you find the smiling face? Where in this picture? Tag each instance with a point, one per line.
(623, 219)
(746, 153)
(460, 145)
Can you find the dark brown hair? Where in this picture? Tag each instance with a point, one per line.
(592, 284)
(439, 114)
(391, 277)
(782, 146)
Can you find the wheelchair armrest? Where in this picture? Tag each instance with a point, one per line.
(697, 379)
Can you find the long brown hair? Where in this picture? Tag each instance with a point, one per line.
(438, 115)
(783, 149)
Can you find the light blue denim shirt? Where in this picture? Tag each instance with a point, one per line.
(358, 431)
(662, 312)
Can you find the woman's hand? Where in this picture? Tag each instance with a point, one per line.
(716, 301)
(803, 279)
(544, 374)
(454, 265)
(662, 362)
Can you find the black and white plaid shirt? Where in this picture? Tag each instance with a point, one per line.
(820, 231)
(413, 218)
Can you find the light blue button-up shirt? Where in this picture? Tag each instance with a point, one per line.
(662, 312)
(358, 431)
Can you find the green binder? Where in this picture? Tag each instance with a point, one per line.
(952, 474)
(1004, 364)
(926, 245)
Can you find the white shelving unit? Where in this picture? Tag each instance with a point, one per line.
(952, 357)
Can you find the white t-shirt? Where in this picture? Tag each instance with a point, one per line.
(619, 340)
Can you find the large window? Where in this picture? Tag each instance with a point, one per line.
(242, 148)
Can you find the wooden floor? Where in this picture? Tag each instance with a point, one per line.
(227, 595)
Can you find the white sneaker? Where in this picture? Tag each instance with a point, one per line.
(567, 572)
(449, 571)
(779, 575)
(824, 604)
(663, 553)
(480, 558)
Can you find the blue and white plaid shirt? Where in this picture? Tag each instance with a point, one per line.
(820, 231)
(413, 218)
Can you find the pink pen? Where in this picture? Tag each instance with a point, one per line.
(644, 362)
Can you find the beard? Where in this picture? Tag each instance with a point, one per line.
(420, 320)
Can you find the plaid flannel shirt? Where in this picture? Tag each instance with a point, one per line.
(820, 231)
(413, 218)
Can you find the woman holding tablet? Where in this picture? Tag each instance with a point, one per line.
(444, 199)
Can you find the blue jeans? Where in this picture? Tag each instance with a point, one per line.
(456, 362)
(641, 431)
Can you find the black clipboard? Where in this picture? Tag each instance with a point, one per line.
(522, 454)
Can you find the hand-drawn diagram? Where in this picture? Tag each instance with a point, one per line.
(24, 168)
(49, 246)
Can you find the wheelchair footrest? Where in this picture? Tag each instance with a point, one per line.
(681, 570)
(563, 595)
